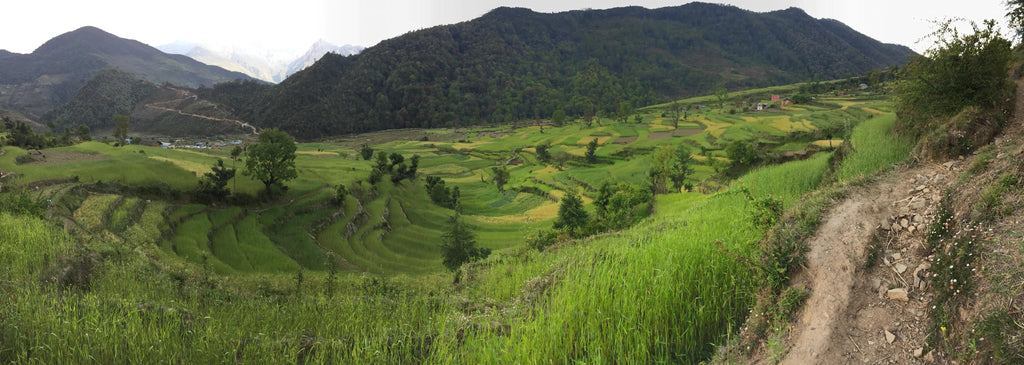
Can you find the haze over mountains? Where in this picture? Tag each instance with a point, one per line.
(270, 67)
(510, 64)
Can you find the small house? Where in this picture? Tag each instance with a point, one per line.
(760, 106)
(863, 86)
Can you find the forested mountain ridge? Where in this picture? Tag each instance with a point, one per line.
(514, 64)
(51, 75)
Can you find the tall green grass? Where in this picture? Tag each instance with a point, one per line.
(876, 148)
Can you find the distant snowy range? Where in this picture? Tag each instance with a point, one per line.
(267, 65)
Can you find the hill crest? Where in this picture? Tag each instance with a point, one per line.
(514, 63)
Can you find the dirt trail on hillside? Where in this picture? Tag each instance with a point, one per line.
(167, 106)
(850, 309)
(875, 313)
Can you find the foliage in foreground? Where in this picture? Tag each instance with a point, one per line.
(955, 97)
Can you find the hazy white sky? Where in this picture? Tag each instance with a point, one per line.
(294, 25)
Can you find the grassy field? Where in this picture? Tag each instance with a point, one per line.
(306, 278)
(316, 235)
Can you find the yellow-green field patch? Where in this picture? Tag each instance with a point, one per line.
(197, 168)
(714, 127)
(90, 213)
(825, 142)
(445, 169)
(464, 179)
(872, 110)
(318, 153)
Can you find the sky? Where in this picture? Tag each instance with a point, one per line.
(292, 26)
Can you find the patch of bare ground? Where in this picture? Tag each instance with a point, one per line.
(684, 132)
(625, 140)
(659, 135)
(871, 312)
(870, 267)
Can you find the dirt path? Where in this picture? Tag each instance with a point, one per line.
(850, 310)
(874, 313)
(166, 106)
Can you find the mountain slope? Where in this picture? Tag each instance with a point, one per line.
(315, 52)
(514, 64)
(51, 74)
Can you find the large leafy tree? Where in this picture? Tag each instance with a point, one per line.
(459, 245)
(272, 159)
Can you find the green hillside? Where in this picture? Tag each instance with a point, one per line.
(515, 64)
(361, 278)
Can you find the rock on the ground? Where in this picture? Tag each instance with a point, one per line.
(898, 294)
(918, 352)
(900, 268)
(889, 337)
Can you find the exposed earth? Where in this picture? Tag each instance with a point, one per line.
(877, 312)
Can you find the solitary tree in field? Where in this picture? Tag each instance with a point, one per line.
(500, 178)
(543, 155)
(121, 128)
(213, 184)
(591, 154)
(459, 245)
(558, 117)
(671, 163)
(235, 152)
(272, 159)
(571, 215)
(722, 94)
(366, 152)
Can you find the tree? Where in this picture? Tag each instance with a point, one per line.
(722, 94)
(1015, 13)
(235, 152)
(618, 205)
(571, 215)
(121, 128)
(741, 153)
(543, 155)
(366, 152)
(414, 164)
(671, 163)
(558, 117)
(962, 70)
(625, 109)
(591, 155)
(83, 133)
(680, 168)
(213, 184)
(272, 159)
(459, 245)
(396, 158)
(501, 177)
(382, 164)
